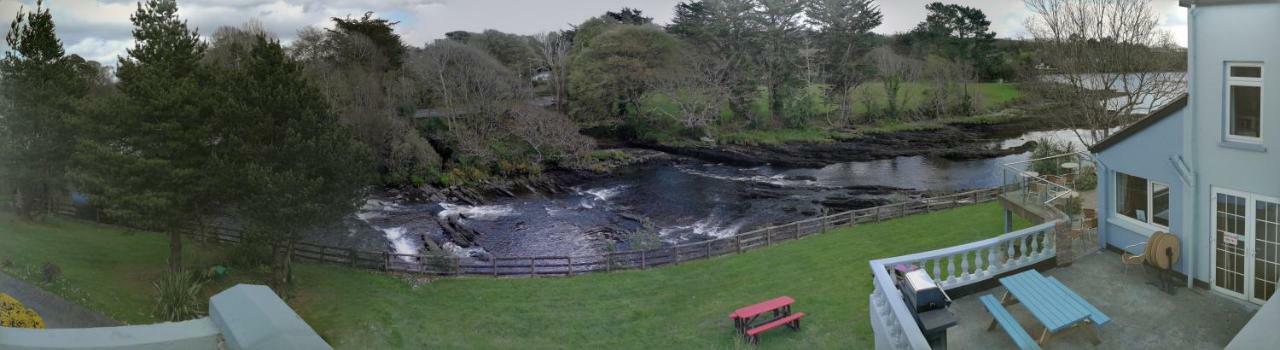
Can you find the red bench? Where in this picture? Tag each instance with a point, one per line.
(780, 307)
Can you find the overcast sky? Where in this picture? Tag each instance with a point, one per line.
(100, 29)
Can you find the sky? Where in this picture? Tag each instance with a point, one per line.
(100, 29)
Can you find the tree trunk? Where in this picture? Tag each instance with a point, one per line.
(282, 269)
(175, 250)
(775, 102)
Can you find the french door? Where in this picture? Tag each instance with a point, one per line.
(1246, 244)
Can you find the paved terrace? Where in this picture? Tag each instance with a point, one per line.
(1142, 316)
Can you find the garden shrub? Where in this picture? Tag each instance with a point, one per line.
(14, 315)
(51, 272)
(1046, 147)
(1087, 180)
(6, 262)
(178, 296)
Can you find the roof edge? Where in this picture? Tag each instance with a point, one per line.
(1188, 3)
(1141, 124)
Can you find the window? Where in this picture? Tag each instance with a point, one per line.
(1142, 200)
(1244, 102)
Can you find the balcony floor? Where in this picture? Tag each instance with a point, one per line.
(1142, 317)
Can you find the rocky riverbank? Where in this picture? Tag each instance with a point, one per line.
(951, 142)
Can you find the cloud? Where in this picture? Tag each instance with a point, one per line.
(100, 29)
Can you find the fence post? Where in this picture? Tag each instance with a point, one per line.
(675, 254)
(570, 260)
(768, 236)
(642, 259)
(457, 266)
(737, 243)
(797, 225)
(386, 261)
(823, 222)
(709, 248)
(878, 214)
(975, 198)
(902, 209)
(608, 262)
(533, 262)
(352, 253)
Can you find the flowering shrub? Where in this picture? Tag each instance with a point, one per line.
(13, 314)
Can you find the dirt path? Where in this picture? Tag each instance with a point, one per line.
(56, 311)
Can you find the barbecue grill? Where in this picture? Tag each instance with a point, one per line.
(929, 304)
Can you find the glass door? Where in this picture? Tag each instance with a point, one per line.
(1246, 245)
(1266, 247)
(1230, 236)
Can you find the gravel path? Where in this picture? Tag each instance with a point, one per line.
(56, 311)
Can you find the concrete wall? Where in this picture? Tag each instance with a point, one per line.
(244, 317)
(1146, 154)
(1222, 34)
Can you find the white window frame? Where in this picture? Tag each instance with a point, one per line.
(1229, 117)
(1115, 199)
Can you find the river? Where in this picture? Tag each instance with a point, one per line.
(675, 201)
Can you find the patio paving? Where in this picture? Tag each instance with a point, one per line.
(1142, 316)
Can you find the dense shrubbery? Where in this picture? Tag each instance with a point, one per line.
(14, 315)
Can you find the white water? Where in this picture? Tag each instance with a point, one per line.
(482, 212)
(400, 242)
(777, 179)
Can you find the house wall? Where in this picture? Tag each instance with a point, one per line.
(1221, 34)
(1146, 154)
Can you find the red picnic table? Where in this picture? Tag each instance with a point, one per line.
(743, 318)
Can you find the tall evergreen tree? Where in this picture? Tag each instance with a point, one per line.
(959, 33)
(152, 161)
(300, 169)
(39, 86)
(781, 38)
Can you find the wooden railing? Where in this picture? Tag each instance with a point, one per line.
(621, 260)
(893, 324)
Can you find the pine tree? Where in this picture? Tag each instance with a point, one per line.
(152, 161)
(300, 168)
(40, 86)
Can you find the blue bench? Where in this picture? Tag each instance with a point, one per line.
(1008, 323)
(1096, 316)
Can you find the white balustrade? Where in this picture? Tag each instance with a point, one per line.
(894, 326)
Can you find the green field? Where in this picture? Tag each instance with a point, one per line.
(682, 307)
(994, 95)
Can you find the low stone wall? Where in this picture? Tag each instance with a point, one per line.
(244, 317)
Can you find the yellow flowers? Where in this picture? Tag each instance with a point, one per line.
(13, 314)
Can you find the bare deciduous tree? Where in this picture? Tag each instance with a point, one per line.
(553, 50)
(894, 72)
(697, 89)
(552, 136)
(1105, 48)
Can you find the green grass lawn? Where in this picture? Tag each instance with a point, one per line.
(105, 268)
(682, 307)
(994, 95)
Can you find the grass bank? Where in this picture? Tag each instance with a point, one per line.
(681, 307)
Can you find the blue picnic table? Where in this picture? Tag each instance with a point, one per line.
(1056, 307)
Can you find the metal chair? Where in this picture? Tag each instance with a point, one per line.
(1127, 258)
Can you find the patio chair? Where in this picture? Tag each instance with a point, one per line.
(1127, 258)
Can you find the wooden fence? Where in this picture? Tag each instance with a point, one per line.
(611, 261)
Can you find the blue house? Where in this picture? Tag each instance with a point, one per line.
(1205, 167)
